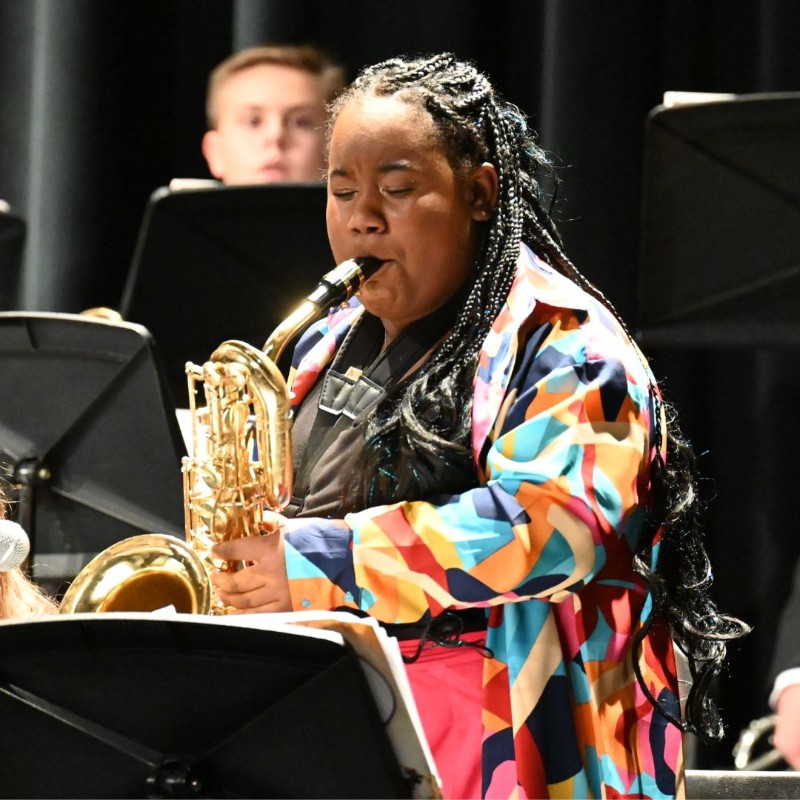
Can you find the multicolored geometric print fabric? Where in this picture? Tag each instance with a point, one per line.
(563, 438)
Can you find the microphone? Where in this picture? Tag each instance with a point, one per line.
(14, 545)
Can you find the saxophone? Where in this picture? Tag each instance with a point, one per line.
(240, 467)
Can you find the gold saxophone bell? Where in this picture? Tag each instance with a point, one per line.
(240, 466)
(142, 573)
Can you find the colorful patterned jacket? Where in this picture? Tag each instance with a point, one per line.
(562, 434)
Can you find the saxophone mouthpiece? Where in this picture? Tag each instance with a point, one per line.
(343, 281)
(368, 265)
(338, 286)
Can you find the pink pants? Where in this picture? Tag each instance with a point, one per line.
(446, 684)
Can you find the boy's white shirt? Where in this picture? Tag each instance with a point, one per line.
(789, 677)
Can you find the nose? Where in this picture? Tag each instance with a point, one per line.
(366, 215)
(273, 130)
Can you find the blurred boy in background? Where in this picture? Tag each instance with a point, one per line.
(266, 114)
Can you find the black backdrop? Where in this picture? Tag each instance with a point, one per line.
(103, 101)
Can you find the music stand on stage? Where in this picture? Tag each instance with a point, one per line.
(140, 705)
(720, 255)
(226, 262)
(12, 244)
(723, 784)
(87, 434)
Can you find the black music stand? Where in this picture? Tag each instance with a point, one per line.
(88, 435)
(720, 255)
(226, 262)
(711, 784)
(12, 243)
(127, 705)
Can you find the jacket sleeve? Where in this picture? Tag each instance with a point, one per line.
(566, 482)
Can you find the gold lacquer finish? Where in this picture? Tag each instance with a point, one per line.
(241, 465)
(142, 573)
(239, 469)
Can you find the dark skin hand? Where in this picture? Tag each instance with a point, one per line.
(263, 585)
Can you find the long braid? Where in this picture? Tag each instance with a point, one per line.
(681, 582)
(426, 425)
(423, 433)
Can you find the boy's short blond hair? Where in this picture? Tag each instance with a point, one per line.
(304, 57)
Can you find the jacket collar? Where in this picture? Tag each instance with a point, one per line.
(534, 282)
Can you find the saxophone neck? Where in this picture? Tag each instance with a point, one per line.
(336, 287)
(303, 315)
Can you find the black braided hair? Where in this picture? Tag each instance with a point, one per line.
(417, 442)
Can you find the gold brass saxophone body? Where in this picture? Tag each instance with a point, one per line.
(240, 466)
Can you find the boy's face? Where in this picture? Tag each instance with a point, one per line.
(270, 126)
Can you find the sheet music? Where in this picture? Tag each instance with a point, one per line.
(674, 98)
(382, 653)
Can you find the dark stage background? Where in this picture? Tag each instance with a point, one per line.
(102, 102)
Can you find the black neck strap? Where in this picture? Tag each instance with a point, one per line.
(361, 375)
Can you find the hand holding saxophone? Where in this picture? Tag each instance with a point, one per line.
(263, 584)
